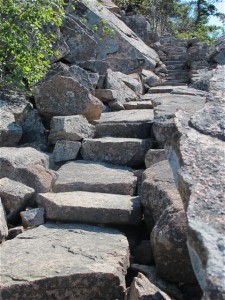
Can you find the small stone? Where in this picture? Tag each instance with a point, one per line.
(71, 128)
(66, 150)
(33, 217)
(142, 289)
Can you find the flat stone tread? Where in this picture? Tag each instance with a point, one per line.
(95, 177)
(45, 261)
(143, 104)
(126, 116)
(98, 208)
(161, 89)
(109, 139)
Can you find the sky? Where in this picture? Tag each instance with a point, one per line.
(221, 8)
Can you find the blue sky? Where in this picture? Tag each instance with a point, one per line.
(221, 8)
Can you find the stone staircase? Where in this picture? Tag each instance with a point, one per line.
(176, 50)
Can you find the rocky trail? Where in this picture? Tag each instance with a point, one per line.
(112, 185)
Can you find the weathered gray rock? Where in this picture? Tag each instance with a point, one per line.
(154, 156)
(108, 40)
(128, 123)
(168, 287)
(106, 95)
(143, 253)
(10, 131)
(158, 192)
(124, 92)
(71, 128)
(95, 208)
(163, 210)
(15, 196)
(64, 96)
(95, 177)
(74, 261)
(150, 78)
(13, 232)
(210, 119)
(27, 166)
(12, 105)
(163, 125)
(168, 241)
(74, 71)
(201, 79)
(66, 150)
(217, 51)
(120, 151)
(32, 126)
(3, 224)
(134, 84)
(32, 218)
(200, 161)
(141, 289)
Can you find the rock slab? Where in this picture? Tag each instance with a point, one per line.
(121, 151)
(95, 177)
(95, 208)
(74, 262)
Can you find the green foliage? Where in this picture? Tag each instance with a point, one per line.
(27, 34)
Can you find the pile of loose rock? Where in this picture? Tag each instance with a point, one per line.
(90, 206)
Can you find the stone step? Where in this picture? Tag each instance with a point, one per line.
(177, 77)
(176, 49)
(160, 89)
(125, 123)
(142, 104)
(174, 82)
(54, 260)
(175, 65)
(119, 151)
(95, 177)
(94, 208)
(178, 57)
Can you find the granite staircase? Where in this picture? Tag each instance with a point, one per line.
(176, 50)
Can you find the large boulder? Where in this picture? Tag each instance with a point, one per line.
(14, 199)
(217, 51)
(92, 32)
(197, 160)
(67, 91)
(163, 210)
(28, 166)
(65, 261)
(114, 81)
(168, 240)
(12, 106)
